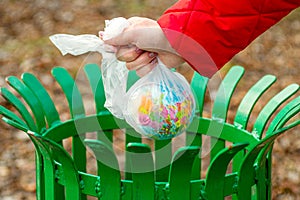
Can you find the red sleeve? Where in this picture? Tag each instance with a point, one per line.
(208, 33)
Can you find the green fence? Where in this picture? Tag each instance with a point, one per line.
(240, 159)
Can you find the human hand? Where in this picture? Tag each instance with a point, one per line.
(141, 43)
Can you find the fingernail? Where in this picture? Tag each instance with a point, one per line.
(101, 33)
(154, 61)
(152, 54)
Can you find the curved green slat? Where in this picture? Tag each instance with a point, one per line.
(288, 116)
(20, 107)
(215, 178)
(108, 170)
(40, 184)
(180, 172)
(248, 102)
(221, 104)
(247, 173)
(12, 116)
(199, 85)
(76, 107)
(264, 160)
(142, 167)
(19, 124)
(163, 157)
(199, 125)
(93, 74)
(73, 127)
(39, 173)
(261, 173)
(70, 173)
(287, 112)
(263, 165)
(30, 99)
(47, 104)
(15, 124)
(40, 179)
(271, 107)
(194, 139)
(131, 137)
(245, 108)
(71, 91)
(47, 171)
(225, 91)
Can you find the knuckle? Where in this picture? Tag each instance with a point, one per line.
(130, 66)
(126, 54)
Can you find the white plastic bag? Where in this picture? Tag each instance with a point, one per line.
(160, 105)
(114, 72)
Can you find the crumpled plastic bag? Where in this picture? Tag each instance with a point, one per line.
(114, 72)
(160, 105)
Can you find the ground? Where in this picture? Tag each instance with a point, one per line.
(24, 30)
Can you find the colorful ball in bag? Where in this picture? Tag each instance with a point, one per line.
(161, 110)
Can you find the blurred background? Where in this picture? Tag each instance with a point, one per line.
(24, 30)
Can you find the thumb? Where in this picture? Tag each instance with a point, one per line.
(124, 38)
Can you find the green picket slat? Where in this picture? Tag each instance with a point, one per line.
(109, 187)
(180, 172)
(131, 137)
(40, 166)
(93, 74)
(46, 102)
(163, 157)
(30, 99)
(287, 112)
(12, 116)
(221, 104)
(271, 107)
(20, 107)
(70, 172)
(71, 91)
(225, 91)
(288, 116)
(199, 85)
(247, 176)
(142, 167)
(249, 100)
(47, 172)
(245, 108)
(217, 170)
(76, 107)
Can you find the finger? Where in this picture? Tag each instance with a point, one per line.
(101, 33)
(128, 53)
(170, 60)
(143, 60)
(142, 71)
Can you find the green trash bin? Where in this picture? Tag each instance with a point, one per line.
(151, 171)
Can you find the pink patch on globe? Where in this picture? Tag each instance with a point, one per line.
(144, 119)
